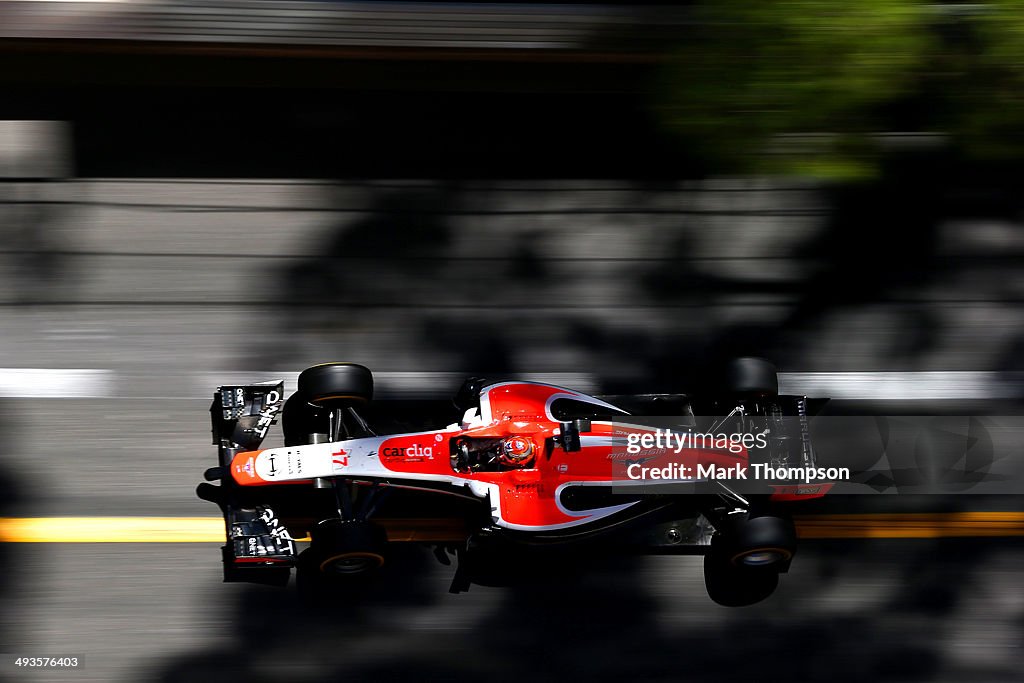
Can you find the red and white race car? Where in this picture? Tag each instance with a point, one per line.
(516, 469)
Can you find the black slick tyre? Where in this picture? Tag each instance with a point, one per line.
(331, 382)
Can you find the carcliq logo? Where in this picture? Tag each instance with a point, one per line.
(415, 451)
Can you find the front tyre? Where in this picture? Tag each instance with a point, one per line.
(341, 549)
(322, 391)
(331, 382)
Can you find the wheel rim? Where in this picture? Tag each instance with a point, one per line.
(761, 557)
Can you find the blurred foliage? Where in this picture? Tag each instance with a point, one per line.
(987, 111)
(805, 87)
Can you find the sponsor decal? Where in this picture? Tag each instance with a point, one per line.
(272, 403)
(524, 417)
(415, 452)
(294, 462)
(248, 467)
(629, 459)
(802, 490)
(277, 530)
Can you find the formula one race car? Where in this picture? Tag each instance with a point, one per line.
(515, 470)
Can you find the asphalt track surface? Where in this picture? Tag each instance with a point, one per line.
(931, 605)
(886, 610)
(934, 597)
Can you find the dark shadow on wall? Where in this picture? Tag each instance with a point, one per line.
(37, 257)
(396, 246)
(399, 268)
(459, 287)
(881, 244)
(877, 250)
(406, 225)
(893, 242)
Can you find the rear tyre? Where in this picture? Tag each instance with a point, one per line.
(760, 542)
(751, 377)
(746, 557)
(331, 382)
(737, 586)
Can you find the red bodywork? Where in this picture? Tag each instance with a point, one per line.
(525, 493)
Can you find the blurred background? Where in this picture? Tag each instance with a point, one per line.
(609, 196)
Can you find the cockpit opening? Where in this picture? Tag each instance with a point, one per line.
(493, 454)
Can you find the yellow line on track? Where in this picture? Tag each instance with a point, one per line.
(112, 530)
(912, 525)
(211, 529)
